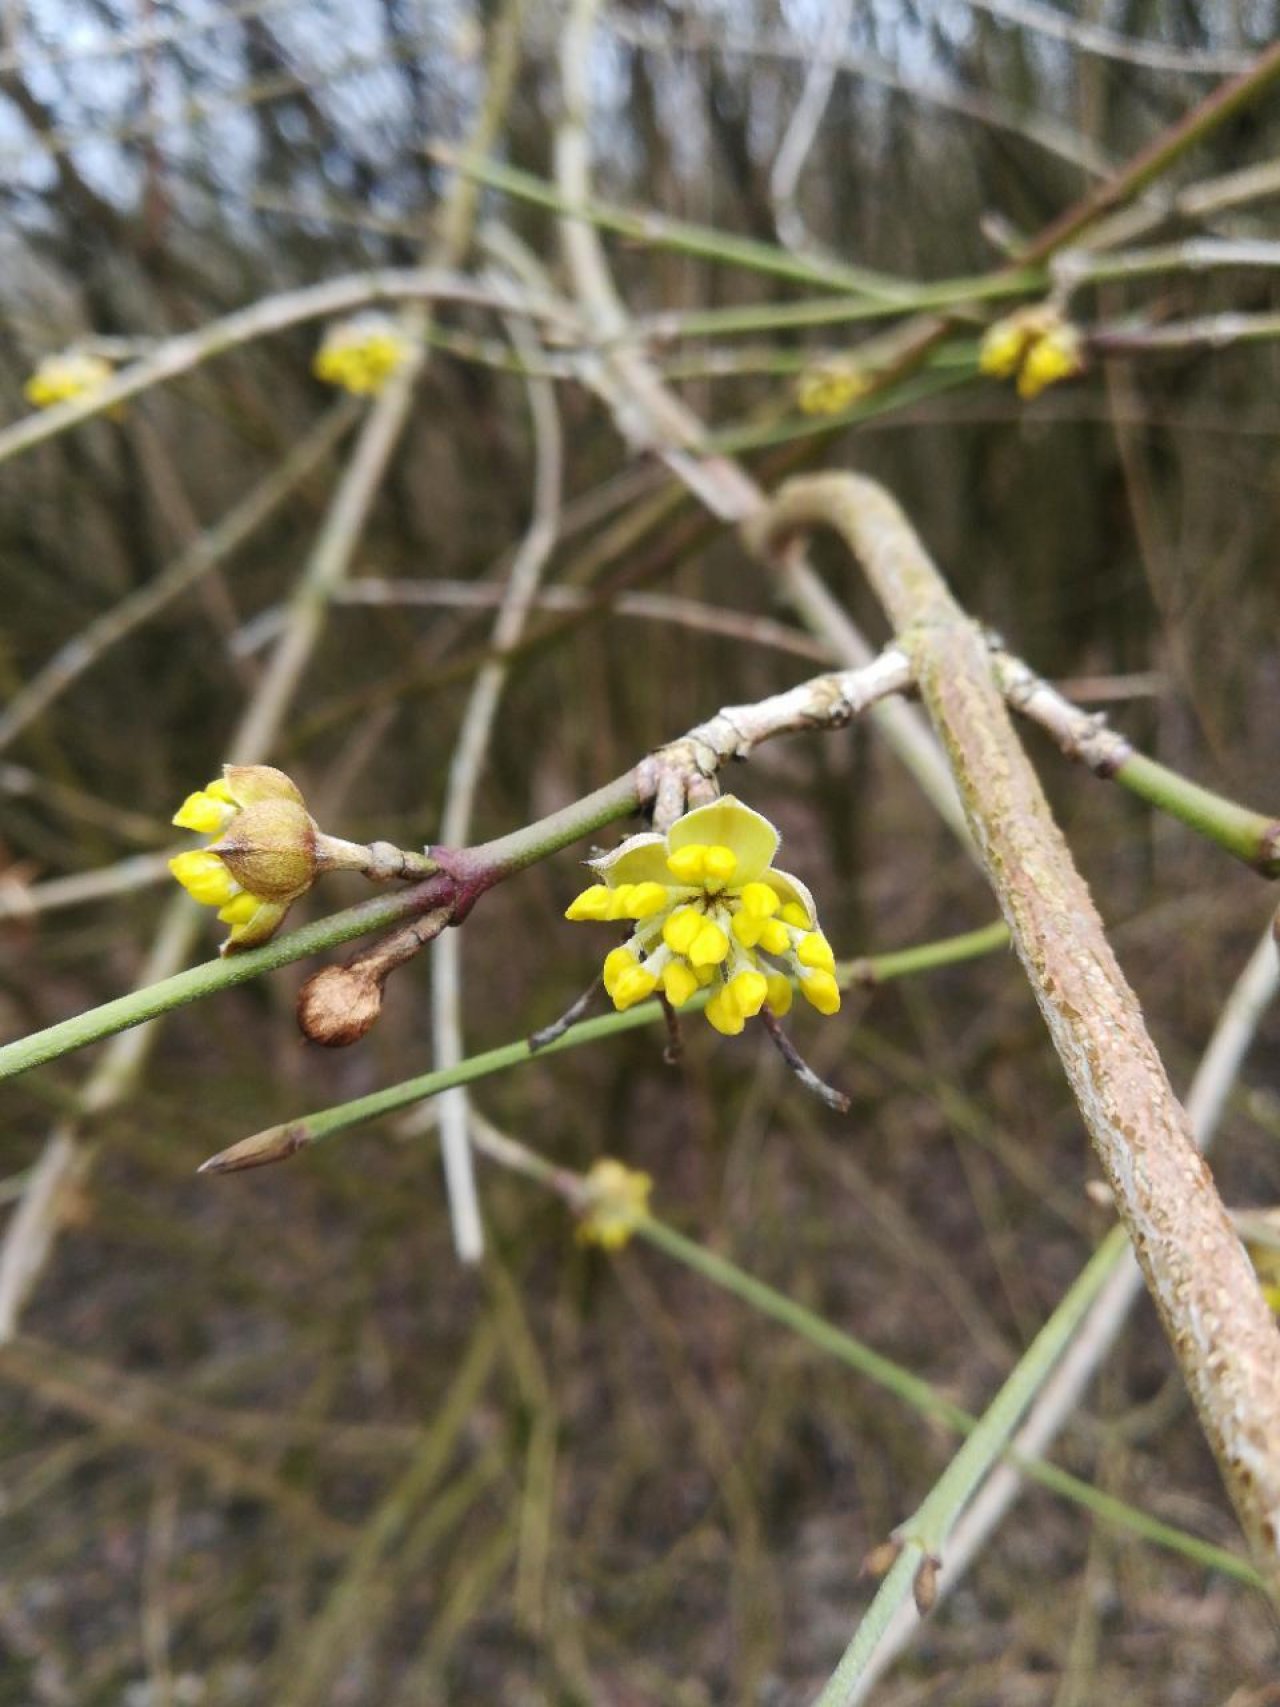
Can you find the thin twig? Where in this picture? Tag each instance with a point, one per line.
(800, 1067)
(468, 760)
(801, 133)
(71, 661)
(68, 1156)
(630, 387)
(180, 354)
(1087, 37)
(666, 608)
(27, 901)
(1253, 837)
(571, 1016)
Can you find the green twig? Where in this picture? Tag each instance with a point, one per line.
(923, 1536)
(982, 1447)
(278, 1142)
(659, 232)
(212, 976)
(1251, 836)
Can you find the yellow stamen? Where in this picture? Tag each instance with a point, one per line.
(774, 937)
(593, 903)
(647, 899)
(815, 951)
(748, 992)
(724, 1016)
(688, 865)
(759, 901)
(821, 991)
(679, 982)
(681, 929)
(617, 963)
(631, 987)
(710, 946)
(719, 864)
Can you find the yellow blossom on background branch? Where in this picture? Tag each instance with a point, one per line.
(1037, 345)
(66, 376)
(831, 387)
(362, 353)
(617, 1201)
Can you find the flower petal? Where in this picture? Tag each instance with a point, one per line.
(204, 812)
(640, 859)
(727, 823)
(204, 877)
(248, 784)
(259, 928)
(788, 888)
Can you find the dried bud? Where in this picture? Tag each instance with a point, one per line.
(339, 1005)
(270, 849)
(881, 1559)
(925, 1586)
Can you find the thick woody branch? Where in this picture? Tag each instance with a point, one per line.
(1194, 1265)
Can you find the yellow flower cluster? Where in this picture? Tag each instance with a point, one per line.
(617, 1200)
(61, 378)
(1037, 344)
(708, 906)
(361, 354)
(831, 388)
(265, 856)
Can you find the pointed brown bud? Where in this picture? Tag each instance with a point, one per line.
(339, 1005)
(925, 1586)
(880, 1559)
(276, 1144)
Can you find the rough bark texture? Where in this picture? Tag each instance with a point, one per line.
(1195, 1267)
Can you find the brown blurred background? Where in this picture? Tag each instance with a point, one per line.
(264, 1441)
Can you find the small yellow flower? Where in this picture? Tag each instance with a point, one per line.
(1037, 345)
(708, 906)
(61, 378)
(1056, 356)
(831, 388)
(265, 857)
(617, 1201)
(362, 353)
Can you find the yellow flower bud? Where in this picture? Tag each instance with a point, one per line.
(617, 1202)
(270, 849)
(1055, 357)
